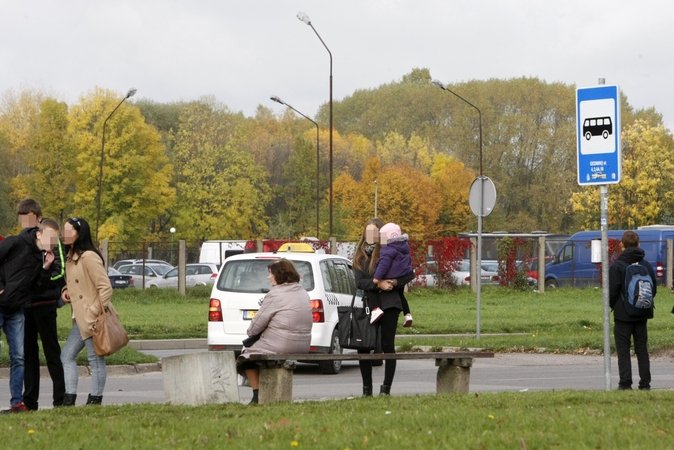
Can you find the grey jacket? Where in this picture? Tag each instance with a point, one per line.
(285, 321)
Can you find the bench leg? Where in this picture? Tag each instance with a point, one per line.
(453, 375)
(276, 384)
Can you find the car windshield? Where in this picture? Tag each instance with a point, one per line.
(112, 271)
(251, 276)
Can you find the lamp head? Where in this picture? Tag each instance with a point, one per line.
(172, 230)
(438, 83)
(304, 18)
(131, 93)
(277, 100)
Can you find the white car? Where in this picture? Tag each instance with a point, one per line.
(243, 283)
(195, 275)
(153, 272)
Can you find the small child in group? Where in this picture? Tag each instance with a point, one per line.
(394, 262)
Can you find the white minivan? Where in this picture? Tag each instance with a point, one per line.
(243, 283)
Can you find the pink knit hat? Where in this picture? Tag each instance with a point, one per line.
(391, 230)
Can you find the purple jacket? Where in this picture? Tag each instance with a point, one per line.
(394, 259)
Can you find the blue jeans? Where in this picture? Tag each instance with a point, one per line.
(13, 324)
(73, 346)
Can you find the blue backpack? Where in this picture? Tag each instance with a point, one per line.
(638, 290)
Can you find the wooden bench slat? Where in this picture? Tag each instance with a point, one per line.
(370, 356)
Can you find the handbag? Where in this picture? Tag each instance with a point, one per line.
(250, 340)
(108, 332)
(354, 328)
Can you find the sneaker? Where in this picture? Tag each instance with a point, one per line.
(408, 321)
(376, 315)
(644, 388)
(19, 408)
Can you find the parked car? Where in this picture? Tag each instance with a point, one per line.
(152, 272)
(120, 281)
(195, 275)
(461, 276)
(127, 262)
(243, 283)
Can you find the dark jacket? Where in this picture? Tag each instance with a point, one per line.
(387, 299)
(47, 289)
(616, 283)
(394, 259)
(20, 268)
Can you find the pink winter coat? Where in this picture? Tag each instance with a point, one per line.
(285, 321)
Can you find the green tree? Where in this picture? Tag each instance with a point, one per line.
(136, 173)
(222, 192)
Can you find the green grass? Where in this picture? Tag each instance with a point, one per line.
(565, 420)
(563, 320)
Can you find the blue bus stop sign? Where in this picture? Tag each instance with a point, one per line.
(598, 135)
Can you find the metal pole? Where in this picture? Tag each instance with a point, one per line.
(376, 194)
(603, 193)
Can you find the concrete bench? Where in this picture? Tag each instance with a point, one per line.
(276, 371)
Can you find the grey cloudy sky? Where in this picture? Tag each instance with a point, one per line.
(242, 52)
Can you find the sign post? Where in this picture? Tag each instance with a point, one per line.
(600, 163)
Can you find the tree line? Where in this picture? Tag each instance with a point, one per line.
(213, 173)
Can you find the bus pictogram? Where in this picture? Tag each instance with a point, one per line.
(597, 126)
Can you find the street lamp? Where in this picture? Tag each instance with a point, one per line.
(131, 93)
(173, 234)
(318, 162)
(304, 18)
(478, 274)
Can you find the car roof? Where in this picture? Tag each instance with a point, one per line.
(296, 256)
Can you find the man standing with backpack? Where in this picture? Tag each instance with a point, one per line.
(632, 288)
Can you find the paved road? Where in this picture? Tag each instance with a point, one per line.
(506, 372)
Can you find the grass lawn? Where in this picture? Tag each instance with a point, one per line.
(533, 420)
(564, 320)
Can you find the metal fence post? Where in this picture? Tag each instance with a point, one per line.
(182, 263)
(669, 263)
(105, 253)
(473, 264)
(541, 264)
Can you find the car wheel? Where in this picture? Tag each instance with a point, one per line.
(332, 367)
(588, 135)
(605, 134)
(551, 283)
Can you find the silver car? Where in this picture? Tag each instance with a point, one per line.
(153, 272)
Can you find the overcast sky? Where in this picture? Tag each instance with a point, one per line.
(242, 52)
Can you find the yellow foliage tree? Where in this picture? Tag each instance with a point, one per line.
(452, 181)
(646, 192)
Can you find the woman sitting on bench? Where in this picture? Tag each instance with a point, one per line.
(283, 323)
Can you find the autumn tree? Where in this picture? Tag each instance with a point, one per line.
(136, 174)
(452, 181)
(222, 192)
(645, 194)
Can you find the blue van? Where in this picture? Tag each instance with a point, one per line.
(572, 264)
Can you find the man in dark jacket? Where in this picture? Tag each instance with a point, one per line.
(626, 326)
(40, 317)
(22, 262)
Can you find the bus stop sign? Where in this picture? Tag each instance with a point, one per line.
(598, 135)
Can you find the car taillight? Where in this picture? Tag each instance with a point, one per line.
(214, 275)
(317, 312)
(660, 270)
(132, 281)
(215, 311)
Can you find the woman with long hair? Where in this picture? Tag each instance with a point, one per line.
(87, 287)
(391, 302)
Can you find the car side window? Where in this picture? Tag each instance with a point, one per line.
(567, 253)
(342, 282)
(191, 270)
(327, 277)
(172, 273)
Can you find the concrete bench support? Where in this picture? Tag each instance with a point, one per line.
(276, 382)
(453, 375)
(200, 378)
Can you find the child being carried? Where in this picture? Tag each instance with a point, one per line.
(394, 262)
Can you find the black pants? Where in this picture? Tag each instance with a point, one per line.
(42, 320)
(387, 327)
(623, 332)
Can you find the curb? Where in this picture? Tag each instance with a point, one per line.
(85, 371)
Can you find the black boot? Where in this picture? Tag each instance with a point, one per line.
(69, 399)
(255, 399)
(367, 391)
(94, 399)
(385, 390)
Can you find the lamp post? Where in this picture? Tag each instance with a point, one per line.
(131, 93)
(304, 18)
(478, 274)
(173, 234)
(318, 162)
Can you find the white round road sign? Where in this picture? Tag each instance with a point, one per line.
(482, 196)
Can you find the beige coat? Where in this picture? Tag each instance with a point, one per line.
(87, 282)
(285, 321)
